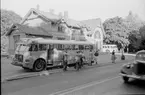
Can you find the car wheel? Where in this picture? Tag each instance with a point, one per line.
(39, 65)
(125, 79)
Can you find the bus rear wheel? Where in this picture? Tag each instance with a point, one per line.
(39, 65)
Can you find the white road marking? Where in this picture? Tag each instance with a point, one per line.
(67, 91)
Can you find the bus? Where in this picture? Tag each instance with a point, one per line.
(109, 48)
(35, 53)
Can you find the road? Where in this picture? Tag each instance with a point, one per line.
(89, 81)
(8, 69)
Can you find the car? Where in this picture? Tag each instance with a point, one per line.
(136, 69)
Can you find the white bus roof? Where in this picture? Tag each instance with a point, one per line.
(51, 41)
(109, 45)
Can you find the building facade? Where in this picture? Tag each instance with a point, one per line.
(37, 23)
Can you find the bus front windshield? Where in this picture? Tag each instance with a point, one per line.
(22, 47)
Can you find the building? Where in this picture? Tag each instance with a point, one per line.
(37, 23)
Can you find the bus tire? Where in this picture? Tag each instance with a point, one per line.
(39, 65)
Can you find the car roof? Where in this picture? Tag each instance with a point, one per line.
(140, 51)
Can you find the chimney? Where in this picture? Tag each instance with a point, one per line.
(65, 15)
(38, 6)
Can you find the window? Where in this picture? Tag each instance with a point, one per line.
(55, 46)
(86, 47)
(34, 47)
(60, 38)
(81, 47)
(42, 47)
(91, 47)
(74, 47)
(60, 47)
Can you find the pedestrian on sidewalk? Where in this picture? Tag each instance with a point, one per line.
(113, 57)
(91, 54)
(65, 61)
(95, 57)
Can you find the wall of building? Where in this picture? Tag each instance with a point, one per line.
(14, 39)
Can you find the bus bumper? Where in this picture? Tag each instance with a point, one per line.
(17, 63)
(22, 64)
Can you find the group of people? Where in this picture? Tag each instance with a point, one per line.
(79, 59)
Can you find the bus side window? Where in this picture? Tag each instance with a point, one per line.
(76, 47)
(42, 47)
(86, 47)
(59, 47)
(62, 47)
(73, 47)
(91, 47)
(80, 47)
(30, 49)
(35, 48)
(56, 46)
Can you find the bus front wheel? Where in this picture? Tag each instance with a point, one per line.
(39, 65)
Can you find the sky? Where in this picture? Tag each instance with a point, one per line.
(80, 9)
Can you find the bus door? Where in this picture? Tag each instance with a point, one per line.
(50, 54)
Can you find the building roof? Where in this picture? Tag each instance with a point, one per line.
(46, 15)
(34, 31)
(28, 30)
(92, 24)
(72, 23)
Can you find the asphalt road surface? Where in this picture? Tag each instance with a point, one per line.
(92, 81)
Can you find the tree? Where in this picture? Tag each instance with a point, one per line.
(133, 23)
(7, 19)
(142, 37)
(116, 32)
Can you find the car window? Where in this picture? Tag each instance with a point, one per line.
(141, 56)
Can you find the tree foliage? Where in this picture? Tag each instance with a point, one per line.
(116, 32)
(127, 31)
(7, 19)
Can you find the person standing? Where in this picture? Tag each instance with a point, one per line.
(65, 61)
(78, 60)
(91, 57)
(81, 56)
(113, 57)
(96, 55)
